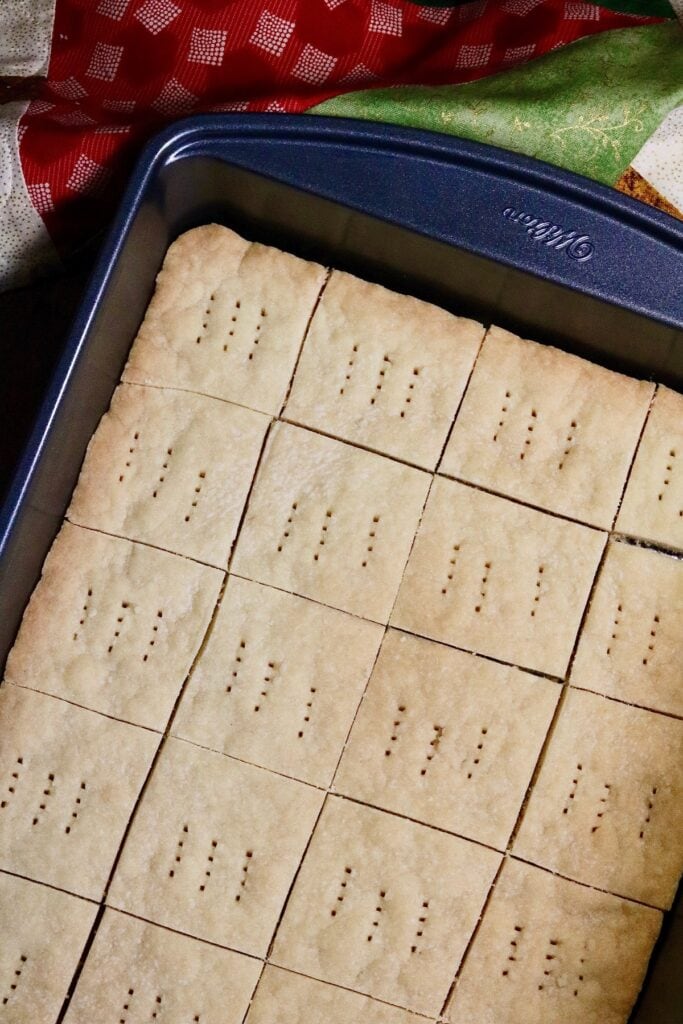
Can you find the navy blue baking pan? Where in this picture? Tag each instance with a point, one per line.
(480, 231)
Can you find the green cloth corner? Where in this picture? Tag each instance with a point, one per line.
(588, 107)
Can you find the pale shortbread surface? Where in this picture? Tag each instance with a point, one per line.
(607, 807)
(139, 973)
(330, 522)
(548, 428)
(384, 906)
(43, 933)
(447, 738)
(286, 998)
(653, 503)
(70, 782)
(170, 469)
(497, 578)
(550, 951)
(279, 681)
(295, 788)
(214, 847)
(383, 370)
(227, 319)
(113, 625)
(631, 646)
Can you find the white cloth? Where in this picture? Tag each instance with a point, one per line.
(25, 42)
(25, 36)
(25, 245)
(678, 7)
(660, 161)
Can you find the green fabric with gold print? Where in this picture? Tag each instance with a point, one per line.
(588, 107)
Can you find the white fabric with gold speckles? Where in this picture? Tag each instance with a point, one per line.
(25, 38)
(24, 241)
(660, 160)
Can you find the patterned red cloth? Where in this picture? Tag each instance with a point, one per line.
(119, 69)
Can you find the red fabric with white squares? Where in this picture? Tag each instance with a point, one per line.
(120, 68)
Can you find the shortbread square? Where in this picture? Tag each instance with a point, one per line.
(170, 469)
(279, 681)
(498, 578)
(383, 370)
(384, 906)
(114, 626)
(607, 806)
(330, 522)
(43, 933)
(548, 428)
(70, 779)
(631, 645)
(447, 738)
(214, 847)
(285, 998)
(227, 319)
(545, 954)
(653, 503)
(138, 972)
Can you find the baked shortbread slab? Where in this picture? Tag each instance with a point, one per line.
(171, 469)
(547, 428)
(295, 811)
(607, 806)
(330, 522)
(447, 738)
(138, 972)
(214, 847)
(497, 578)
(653, 503)
(286, 998)
(114, 626)
(384, 906)
(70, 782)
(545, 954)
(227, 319)
(383, 370)
(279, 681)
(631, 646)
(43, 933)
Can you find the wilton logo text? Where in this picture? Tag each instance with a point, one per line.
(578, 247)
